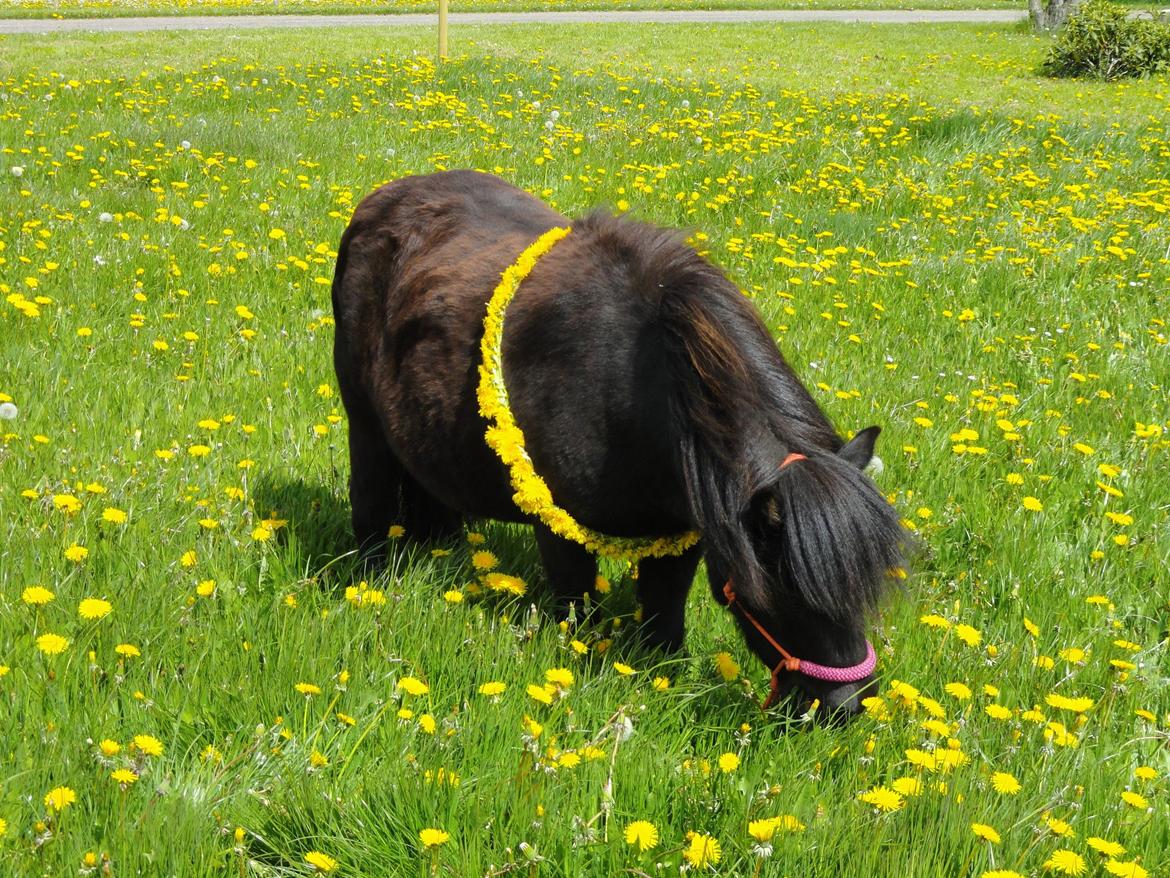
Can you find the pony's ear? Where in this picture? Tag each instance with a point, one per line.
(859, 450)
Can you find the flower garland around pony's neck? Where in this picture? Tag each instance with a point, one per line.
(532, 495)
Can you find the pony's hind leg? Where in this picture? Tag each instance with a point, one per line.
(383, 494)
(571, 569)
(375, 480)
(663, 584)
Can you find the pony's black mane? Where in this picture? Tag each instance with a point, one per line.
(739, 409)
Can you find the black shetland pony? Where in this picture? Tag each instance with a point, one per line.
(652, 399)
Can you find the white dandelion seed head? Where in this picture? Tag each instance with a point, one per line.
(875, 467)
(17, 170)
(8, 411)
(105, 217)
(185, 144)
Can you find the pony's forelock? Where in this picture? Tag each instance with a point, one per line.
(838, 541)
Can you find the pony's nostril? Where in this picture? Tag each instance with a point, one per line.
(846, 701)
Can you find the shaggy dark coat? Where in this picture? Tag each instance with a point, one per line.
(652, 398)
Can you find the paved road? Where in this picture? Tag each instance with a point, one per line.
(211, 22)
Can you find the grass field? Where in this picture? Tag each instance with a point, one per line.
(102, 8)
(195, 681)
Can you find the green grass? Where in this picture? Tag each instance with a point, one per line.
(106, 8)
(941, 242)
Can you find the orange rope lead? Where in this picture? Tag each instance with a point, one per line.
(789, 662)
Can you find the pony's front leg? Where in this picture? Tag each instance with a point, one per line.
(571, 569)
(663, 584)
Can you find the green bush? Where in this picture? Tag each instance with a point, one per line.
(1103, 41)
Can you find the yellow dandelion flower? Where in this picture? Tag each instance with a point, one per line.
(1065, 862)
(726, 666)
(1125, 870)
(922, 759)
(128, 650)
(788, 823)
(967, 634)
(762, 830)
(661, 684)
(433, 837)
(113, 515)
(37, 596)
(1105, 847)
(624, 670)
(483, 561)
(94, 608)
(1004, 783)
(907, 786)
(109, 747)
(642, 834)
(52, 644)
(124, 776)
(988, 833)
(543, 694)
(728, 762)
(149, 745)
(703, 850)
(958, 691)
(67, 503)
(413, 686)
(1135, 800)
(321, 862)
(76, 553)
(504, 583)
(493, 688)
(308, 689)
(560, 677)
(1074, 705)
(1032, 504)
(883, 798)
(60, 798)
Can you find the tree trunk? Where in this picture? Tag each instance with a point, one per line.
(1053, 14)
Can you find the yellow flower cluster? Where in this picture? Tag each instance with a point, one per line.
(532, 495)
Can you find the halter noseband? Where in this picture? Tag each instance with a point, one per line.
(789, 662)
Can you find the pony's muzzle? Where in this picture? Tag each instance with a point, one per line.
(845, 699)
(827, 703)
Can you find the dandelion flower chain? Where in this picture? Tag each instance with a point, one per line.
(532, 495)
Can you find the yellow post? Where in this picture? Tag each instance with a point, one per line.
(442, 28)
